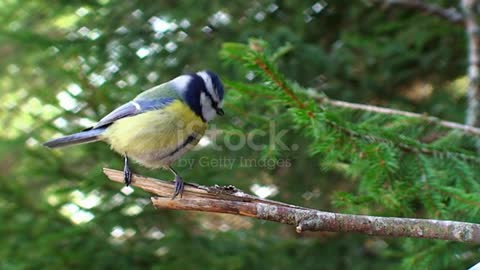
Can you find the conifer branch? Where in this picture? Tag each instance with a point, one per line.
(430, 119)
(279, 82)
(450, 14)
(418, 148)
(253, 55)
(469, 129)
(233, 201)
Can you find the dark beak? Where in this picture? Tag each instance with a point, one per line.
(220, 111)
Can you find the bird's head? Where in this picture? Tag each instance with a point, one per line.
(211, 96)
(203, 92)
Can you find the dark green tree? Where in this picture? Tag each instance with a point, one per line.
(65, 64)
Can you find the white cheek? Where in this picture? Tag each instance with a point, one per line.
(208, 111)
(208, 114)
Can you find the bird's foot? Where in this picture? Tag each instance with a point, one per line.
(127, 177)
(179, 185)
(127, 173)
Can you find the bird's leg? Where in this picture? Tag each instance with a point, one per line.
(179, 185)
(127, 173)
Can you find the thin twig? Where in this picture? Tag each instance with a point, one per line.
(468, 19)
(233, 201)
(370, 108)
(283, 86)
(450, 14)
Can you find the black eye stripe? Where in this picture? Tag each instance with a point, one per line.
(214, 104)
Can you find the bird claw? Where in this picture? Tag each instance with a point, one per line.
(127, 173)
(127, 177)
(179, 186)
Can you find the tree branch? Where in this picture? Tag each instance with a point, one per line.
(369, 108)
(322, 98)
(451, 14)
(426, 117)
(233, 201)
(468, 19)
(472, 29)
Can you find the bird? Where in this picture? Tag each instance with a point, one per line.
(159, 125)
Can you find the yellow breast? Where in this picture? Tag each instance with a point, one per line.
(156, 138)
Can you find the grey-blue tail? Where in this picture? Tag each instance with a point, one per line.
(87, 136)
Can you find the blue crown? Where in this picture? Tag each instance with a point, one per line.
(217, 84)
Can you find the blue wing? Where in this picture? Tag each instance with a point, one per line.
(133, 108)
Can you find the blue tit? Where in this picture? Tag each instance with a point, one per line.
(159, 125)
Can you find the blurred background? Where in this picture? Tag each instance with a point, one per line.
(65, 64)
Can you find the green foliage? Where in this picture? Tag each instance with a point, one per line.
(397, 173)
(65, 64)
